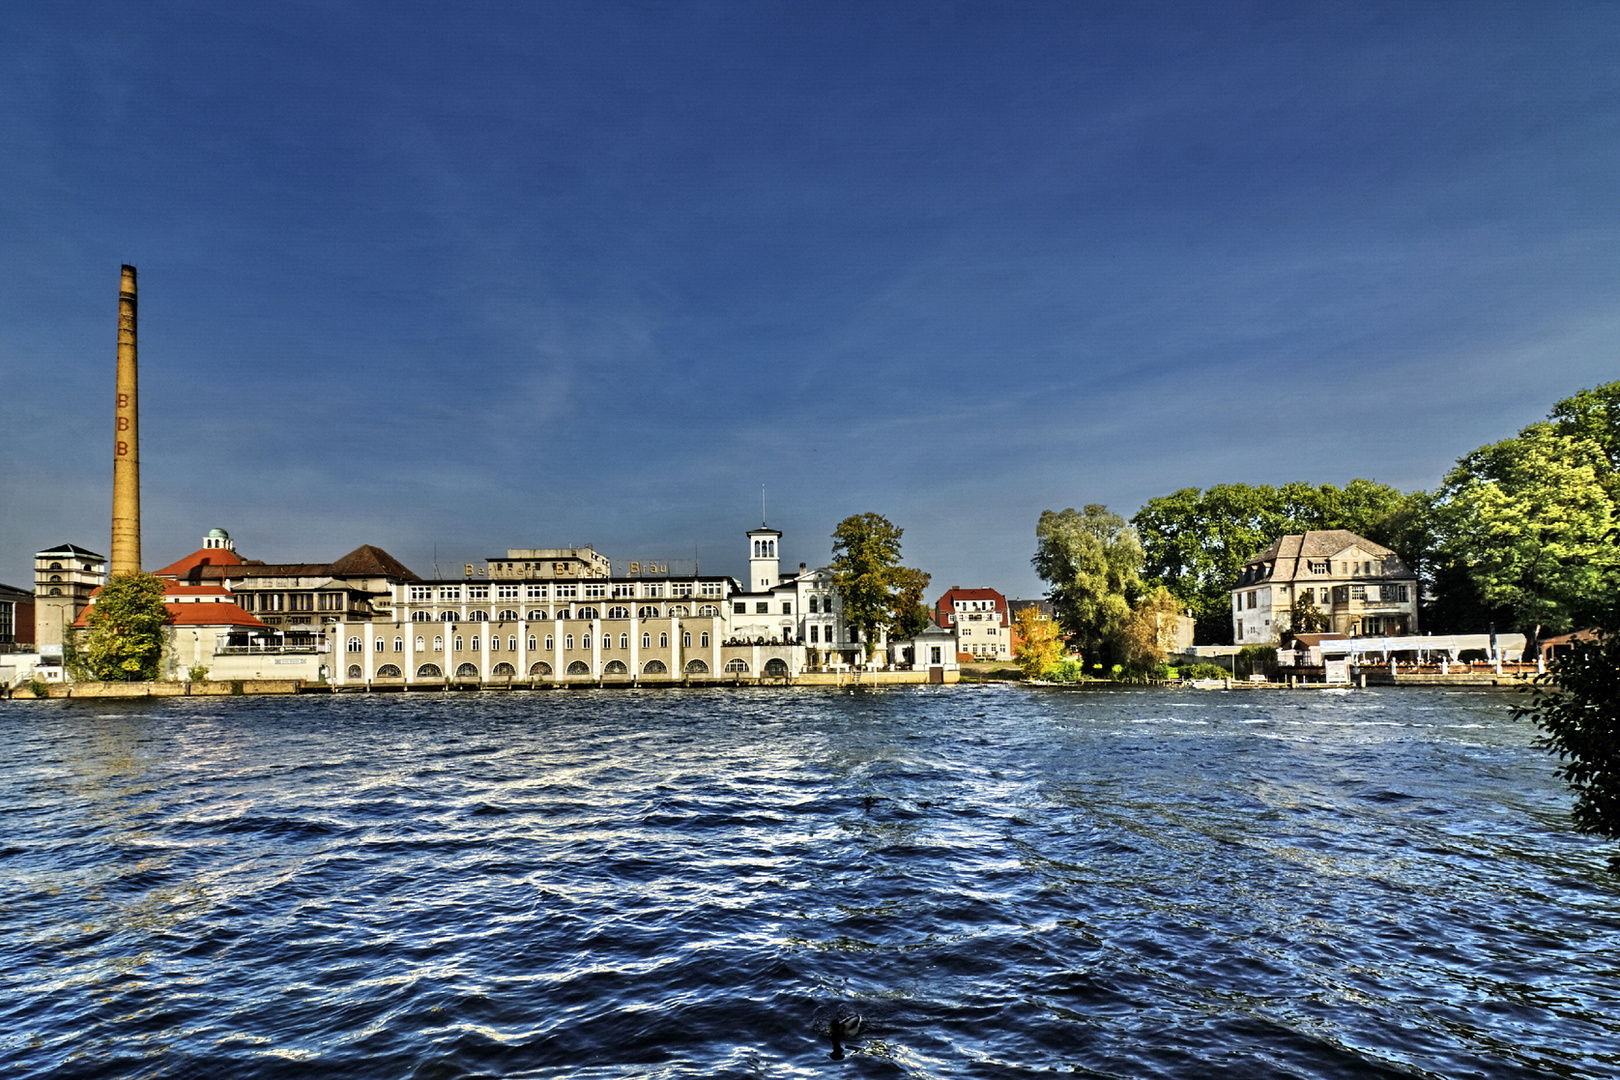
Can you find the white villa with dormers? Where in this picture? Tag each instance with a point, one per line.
(1363, 588)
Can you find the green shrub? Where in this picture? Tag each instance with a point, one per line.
(198, 673)
(39, 687)
(1137, 673)
(1065, 671)
(1205, 671)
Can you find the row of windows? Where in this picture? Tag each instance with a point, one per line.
(475, 642)
(591, 590)
(774, 667)
(646, 611)
(763, 607)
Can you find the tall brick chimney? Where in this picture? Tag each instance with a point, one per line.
(126, 513)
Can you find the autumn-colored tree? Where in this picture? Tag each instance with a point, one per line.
(126, 630)
(1040, 642)
(1150, 630)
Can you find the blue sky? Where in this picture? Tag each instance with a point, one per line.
(450, 279)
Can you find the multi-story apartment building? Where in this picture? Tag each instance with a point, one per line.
(981, 621)
(16, 619)
(1363, 588)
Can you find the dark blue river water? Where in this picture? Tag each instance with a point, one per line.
(1002, 882)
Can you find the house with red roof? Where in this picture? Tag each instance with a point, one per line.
(979, 618)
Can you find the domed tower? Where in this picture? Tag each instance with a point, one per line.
(219, 539)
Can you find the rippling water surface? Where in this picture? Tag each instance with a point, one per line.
(1000, 881)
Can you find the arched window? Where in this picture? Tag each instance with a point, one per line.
(508, 615)
(686, 641)
(532, 645)
(466, 671)
(354, 671)
(458, 643)
(663, 641)
(647, 611)
(738, 664)
(421, 616)
(615, 667)
(356, 645)
(56, 577)
(579, 667)
(776, 668)
(388, 671)
(539, 667)
(562, 613)
(618, 613)
(679, 611)
(703, 640)
(399, 644)
(56, 566)
(504, 671)
(708, 610)
(495, 642)
(585, 641)
(549, 645)
(475, 643)
(56, 592)
(624, 641)
(449, 616)
(438, 643)
(696, 667)
(536, 615)
(429, 671)
(646, 641)
(654, 667)
(478, 616)
(420, 643)
(382, 646)
(587, 613)
(812, 605)
(568, 641)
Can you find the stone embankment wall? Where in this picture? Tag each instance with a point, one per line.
(166, 689)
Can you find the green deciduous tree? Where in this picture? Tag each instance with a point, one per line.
(1040, 642)
(1304, 617)
(1531, 522)
(878, 593)
(126, 630)
(1577, 707)
(1091, 560)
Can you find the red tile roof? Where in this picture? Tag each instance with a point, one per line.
(210, 615)
(945, 612)
(200, 557)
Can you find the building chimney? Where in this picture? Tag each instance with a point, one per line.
(126, 514)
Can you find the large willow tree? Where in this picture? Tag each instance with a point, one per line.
(1091, 561)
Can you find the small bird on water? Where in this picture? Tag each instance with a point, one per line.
(844, 1027)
